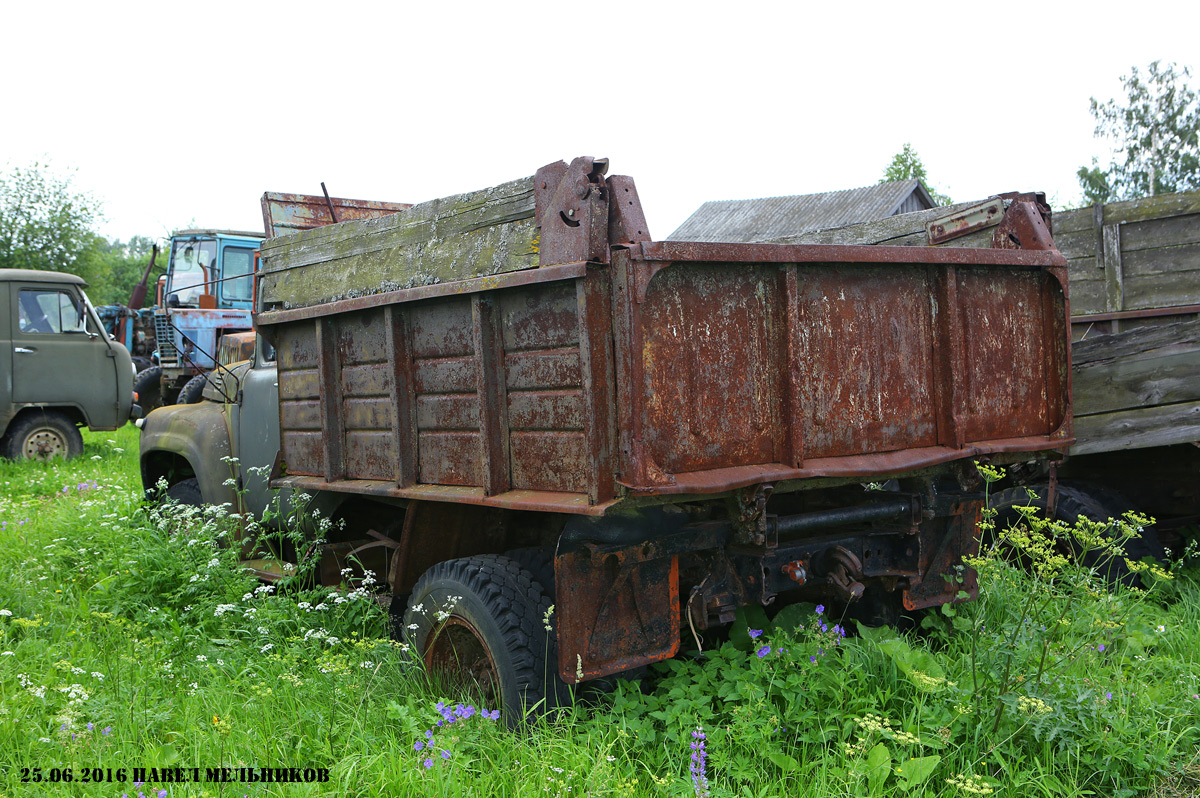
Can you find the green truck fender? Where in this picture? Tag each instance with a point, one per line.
(179, 442)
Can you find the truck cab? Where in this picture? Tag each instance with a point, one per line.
(58, 368)
(208, 292)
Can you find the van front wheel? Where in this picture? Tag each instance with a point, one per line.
(43, 436)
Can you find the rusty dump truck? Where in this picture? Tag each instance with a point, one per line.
(514, 399)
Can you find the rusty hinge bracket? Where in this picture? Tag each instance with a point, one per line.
(968, 220)
(571, 208)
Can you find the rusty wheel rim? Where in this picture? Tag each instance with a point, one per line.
(45, 444)
(457, 652)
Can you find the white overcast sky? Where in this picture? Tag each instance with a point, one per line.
(180, 112)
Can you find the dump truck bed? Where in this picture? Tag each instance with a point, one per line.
(475, 349)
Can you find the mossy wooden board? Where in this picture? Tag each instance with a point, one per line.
(484, 232)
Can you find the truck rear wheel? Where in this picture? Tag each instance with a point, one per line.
(480, 621)
(148, 387)
(1072, 502)
(43, 436)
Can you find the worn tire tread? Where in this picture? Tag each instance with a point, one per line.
(516, 604)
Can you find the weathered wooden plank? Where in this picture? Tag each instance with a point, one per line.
(1161, 425)
(453, 238)
(1163, 290)
(1076, 220)
(1159, 207)
(1106, 348)
(1114, 275)
(1077, 244)
(1162, 260)
(1152, 378)
(1172, 231)
(1088, 297)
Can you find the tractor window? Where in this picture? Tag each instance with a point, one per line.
(238, 266)
(48, 312)
(190, 262)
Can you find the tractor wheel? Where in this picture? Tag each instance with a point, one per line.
(193, 392)
(479, 622)
(43, 436)
(148, 387)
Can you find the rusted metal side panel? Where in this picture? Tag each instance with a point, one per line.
(289, 213)
(544, 387)
(593, 294)
(445, 385)
(890, 361)
(301, 448)
(364, 382)
(867, 358)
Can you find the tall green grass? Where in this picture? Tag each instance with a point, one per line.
(135, 641)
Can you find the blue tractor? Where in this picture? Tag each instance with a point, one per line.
(208, 292)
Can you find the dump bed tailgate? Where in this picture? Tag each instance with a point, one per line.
(746, 363)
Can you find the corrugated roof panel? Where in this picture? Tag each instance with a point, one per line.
(771, 217)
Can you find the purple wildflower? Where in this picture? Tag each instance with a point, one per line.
(428, 764)
(820, 609)
(1100, 647)
(1108, 696)
(699, 764)
(418, 745)
(754, 633)
(162, 794)
(445, 754)
(764, 651)
(812, 658)
(429, 734)
(107, 730)
(91, 725)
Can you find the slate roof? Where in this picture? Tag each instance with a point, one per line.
(772, 217)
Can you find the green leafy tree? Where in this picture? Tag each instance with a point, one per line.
(1154, 131)
(44, 222)
(113, 268)
(907, 165)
